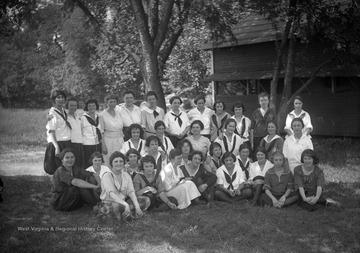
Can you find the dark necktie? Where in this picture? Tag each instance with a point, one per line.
(177, 117)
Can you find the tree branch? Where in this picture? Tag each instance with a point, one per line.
(142, 24)
(153, 16)
(310, 80)
(171, 41)
(164, 24)
(109, 36)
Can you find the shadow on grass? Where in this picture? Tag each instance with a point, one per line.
(29, 224)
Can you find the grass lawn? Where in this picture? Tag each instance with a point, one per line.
(28, 223)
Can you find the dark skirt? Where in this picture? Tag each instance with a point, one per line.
(79, 154)
(88, 151)
(52, 162)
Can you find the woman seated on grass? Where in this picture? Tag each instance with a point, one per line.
(309, 180)
(213, 161)
(204, 180)
(278, 185)
(132, 165)
(149, 184)
(230, 181)
(98, 169)
(244, 160)
(257, 173)
(184, 191)
(118, 194)
(70, 188)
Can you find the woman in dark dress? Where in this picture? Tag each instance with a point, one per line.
(70, 187)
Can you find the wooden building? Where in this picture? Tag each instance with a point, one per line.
(241, 70)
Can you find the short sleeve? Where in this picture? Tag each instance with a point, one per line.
(160, 187)
(51, 124)
(137, 183)
(290, 184)
(220, 177)
(129, 183)
(267, 182)
(107, 183)
(101, 123)
(320, 178)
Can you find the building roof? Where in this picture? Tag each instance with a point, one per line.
(252, 29)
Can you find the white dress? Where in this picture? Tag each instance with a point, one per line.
(112, 128)
(183, 192)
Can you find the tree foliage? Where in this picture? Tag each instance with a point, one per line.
(335, 23)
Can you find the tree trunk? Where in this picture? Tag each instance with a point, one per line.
(280, 48)
(289, 75)
(150, 73)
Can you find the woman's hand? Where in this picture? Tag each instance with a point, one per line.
(232, 193)
(151, 189)
(104, 149)
(237, 192)
(275, 202)
(139, 213)
(307, 199)
(57, 151)
(171, 205)
(313, 200)
(202, 187)
(282, 199)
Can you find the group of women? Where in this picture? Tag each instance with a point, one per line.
(123, 160)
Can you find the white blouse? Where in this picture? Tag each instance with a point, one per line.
(239, 179)
(293, 149)
(303, 115)
(205, 118)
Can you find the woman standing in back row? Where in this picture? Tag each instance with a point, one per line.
(259, 120)
(111, 125)
(203, 114)
(298, 112)
(176, 121)
(58, 132)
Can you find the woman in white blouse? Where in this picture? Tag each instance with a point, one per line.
(151, 114)
(136, 142)
(298, 112)
(202, 113)
(176, 121)
(90, 127)
(295, 144)
(257, 173)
